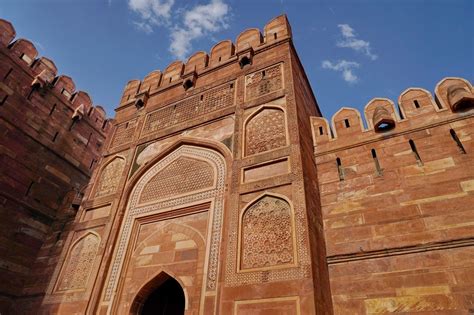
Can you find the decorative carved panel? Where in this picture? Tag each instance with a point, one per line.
(182, 176)
(109, 178)
(266, 234)
(265, 131)
(263, 82)
(79, 262)
(190, 108)
(123, 133)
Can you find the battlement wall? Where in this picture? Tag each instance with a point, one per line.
(51, 137)
(454, 99)
(182, 78)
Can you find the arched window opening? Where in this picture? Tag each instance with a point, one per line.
(244, 62)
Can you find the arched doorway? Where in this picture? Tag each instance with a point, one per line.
(167, 299)
(188, 213)
(161, 296)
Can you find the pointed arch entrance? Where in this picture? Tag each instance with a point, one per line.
(163, 295)
(173, 221)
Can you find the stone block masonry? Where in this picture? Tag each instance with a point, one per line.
(397, 201)
(51, 137)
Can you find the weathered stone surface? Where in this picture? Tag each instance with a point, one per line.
(46, 160)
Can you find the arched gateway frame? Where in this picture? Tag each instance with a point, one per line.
(136, 210)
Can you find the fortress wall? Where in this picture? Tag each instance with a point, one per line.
(51, 138)
(399, 235)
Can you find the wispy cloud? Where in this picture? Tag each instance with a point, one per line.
(152, 12)
(200, 21)
(345, 67)
(185, 24)
(350, 40)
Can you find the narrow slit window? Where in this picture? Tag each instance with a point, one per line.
(52, 109)
(92, 163)
(376, 162)
(104, 124)
(458, 142)
(170, 80)
(340, 169)
(232, 85)
(220, 58)
(415, 152)
(73, 122)
(89, 139)
(275, 36)
(55, 136)
(31, 93)
(346, 123)
(321, 131)
(202, 97)
(4, 99)
(417, 105)
(8, 73)
(263, 74)
(29, 188)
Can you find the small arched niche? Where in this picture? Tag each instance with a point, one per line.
(162, 295)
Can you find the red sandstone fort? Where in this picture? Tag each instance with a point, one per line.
(218, 188)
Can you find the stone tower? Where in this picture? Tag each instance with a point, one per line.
(208, 184)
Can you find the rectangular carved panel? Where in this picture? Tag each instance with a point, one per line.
(190, 108)
(266, 170)
(123, 133)
(97, 213)
(263, 82)
(274, 306)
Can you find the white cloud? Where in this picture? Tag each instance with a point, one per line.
(152, 12)
(345, 67)
(184, 24)
(200, 21)
(350, 40)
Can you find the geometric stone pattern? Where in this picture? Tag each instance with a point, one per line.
(109, 178)
(184, 175)
(190, 108)
(297, 268)
(123, 133)
(267, 236)
(263, 82)
(135, 210)
(78, 265)
(265, 131)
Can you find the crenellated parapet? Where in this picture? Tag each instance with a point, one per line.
(186, 75)
(44, 78)
(416, 108)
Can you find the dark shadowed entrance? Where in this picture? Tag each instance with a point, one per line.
(162, 296)
(167, 299)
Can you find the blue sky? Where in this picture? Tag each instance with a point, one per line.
(352, 50)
